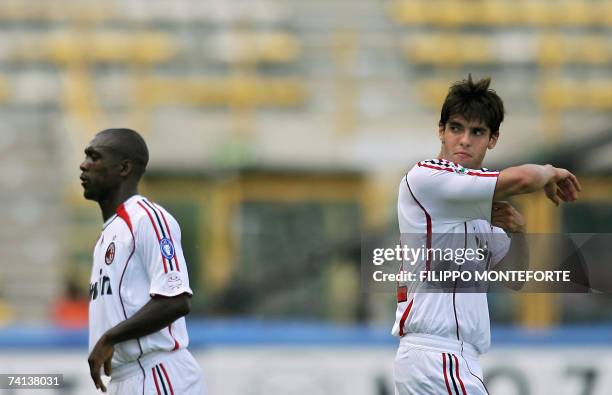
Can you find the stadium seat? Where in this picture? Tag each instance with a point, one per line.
(577, 13)
(448, 13)
(4, 90)
(554, 95)
(600, 95)
(454, 13)
(109, 47)
(409, 12)
(537, 13)
(457, 49)
(254, 47)
(54, 11)
(499, 13)
(605, 14)
(555, 49)
(432, 92)
(592, 50)
(551, 50)
(574, 94)
(231, 91)
(278, 47)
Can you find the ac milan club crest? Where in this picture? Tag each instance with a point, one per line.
(167, 248)
(110, 254)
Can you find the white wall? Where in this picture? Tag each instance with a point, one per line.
(320, 370)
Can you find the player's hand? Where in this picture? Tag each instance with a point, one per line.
(564, 187)
(101, 355)
(505, 216)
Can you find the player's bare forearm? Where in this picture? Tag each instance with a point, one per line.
(536, 176)
(558, 184)
(522, 179)
(158, 313)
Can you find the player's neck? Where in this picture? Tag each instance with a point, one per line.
(109, 205)
(467, 165)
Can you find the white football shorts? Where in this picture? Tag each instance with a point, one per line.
(159, 373)
(430, 365)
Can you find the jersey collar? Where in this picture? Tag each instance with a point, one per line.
(108, 221)
(131, 199)
(125, 203)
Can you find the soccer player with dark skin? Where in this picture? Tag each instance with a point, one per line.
(115, 161)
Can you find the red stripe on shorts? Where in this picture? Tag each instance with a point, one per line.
(155, 378)
(445, 376)
(167, 378)
(459, 377)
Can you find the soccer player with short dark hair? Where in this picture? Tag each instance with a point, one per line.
(443, 333)
(139, 290)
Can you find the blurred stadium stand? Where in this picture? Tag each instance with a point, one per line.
(278, 131)
(280, 125)
(503, 13)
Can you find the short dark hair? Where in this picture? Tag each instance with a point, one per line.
(474, 101)
(129, 144)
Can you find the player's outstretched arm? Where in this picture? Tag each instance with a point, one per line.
(558, 184)
(157, 314)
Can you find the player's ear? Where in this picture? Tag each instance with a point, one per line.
(441, 128)
(126, 167)
(493, 139)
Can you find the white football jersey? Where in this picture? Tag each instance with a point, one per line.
(440, 200)
(138, 255)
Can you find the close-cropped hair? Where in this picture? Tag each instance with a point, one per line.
(129, 144)
(474, 101)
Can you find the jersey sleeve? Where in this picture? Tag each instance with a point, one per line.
(499, 245)
(158, 242)
(452, 193)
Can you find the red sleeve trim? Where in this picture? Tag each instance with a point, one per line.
(469, 172)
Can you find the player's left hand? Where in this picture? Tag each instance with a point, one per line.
(101, 355)
(505, 216)
(564, 187)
